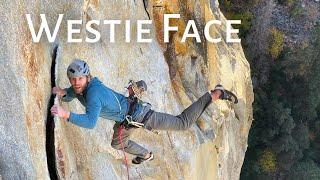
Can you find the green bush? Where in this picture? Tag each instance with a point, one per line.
(246, 18)
(295, 11)
(227, 5)
(294, 7)
(267, 161)
(276, 43)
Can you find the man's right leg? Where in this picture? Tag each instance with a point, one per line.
(130, 147)
(163, 121)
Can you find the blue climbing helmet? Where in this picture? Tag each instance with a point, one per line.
(78, 68)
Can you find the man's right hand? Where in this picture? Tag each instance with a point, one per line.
(58, 91)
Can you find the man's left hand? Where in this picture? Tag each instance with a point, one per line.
(57, 110)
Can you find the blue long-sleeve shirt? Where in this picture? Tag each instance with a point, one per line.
(100, 101)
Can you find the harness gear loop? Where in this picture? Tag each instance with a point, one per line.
(135, 92)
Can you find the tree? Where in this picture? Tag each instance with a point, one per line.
(302, 67)
(305, 170)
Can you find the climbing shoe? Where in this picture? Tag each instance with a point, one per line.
(225, 94)
(139, 160)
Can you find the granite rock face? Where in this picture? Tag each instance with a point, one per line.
(176, 73)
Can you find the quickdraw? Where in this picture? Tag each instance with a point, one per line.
(128, 122)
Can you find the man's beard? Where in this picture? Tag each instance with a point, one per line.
(81, 89)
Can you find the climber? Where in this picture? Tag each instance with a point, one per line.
(101, 101)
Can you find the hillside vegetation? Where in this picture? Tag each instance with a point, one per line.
(282, 43)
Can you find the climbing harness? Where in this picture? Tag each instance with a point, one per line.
(128, 121)
(135, 90)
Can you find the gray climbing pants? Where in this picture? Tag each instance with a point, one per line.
(160, 121)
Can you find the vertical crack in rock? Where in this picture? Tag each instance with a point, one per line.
(50, 148)
(145, 5)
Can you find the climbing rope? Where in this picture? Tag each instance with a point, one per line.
(122, 146)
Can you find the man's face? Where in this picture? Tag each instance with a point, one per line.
(79, 83)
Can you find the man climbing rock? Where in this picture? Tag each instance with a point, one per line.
(101, 101)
